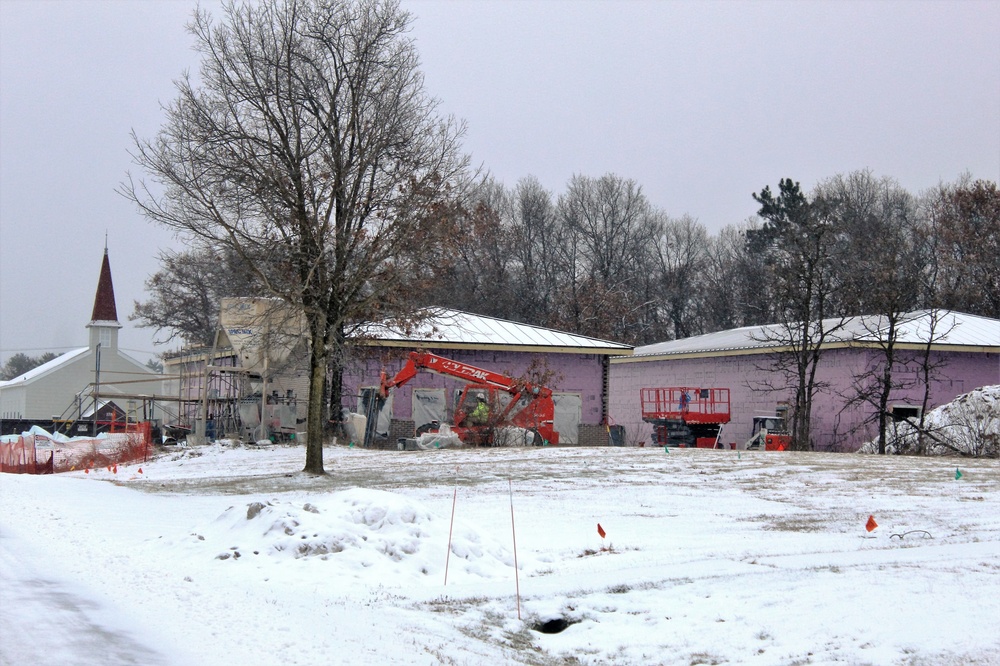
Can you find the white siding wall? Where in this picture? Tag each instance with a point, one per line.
(12, 402)
(51, 394)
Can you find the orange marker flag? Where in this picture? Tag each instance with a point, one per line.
(600, 530)
(86, 471)
(871, 524)
(115, 469)
(140, 470)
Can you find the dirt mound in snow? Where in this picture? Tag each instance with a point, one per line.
(968, 425)
(356, 529)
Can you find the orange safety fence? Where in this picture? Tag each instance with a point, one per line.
(21, 457)
(38, 454)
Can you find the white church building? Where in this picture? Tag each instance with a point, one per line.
(98, 377)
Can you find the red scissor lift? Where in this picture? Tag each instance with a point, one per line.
(686, 416)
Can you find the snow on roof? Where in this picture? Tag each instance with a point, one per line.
(45, 368)
(454, 328)
(951, 330)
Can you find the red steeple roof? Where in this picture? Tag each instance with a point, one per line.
(104, 301)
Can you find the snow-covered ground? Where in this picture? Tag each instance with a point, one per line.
(224, 555)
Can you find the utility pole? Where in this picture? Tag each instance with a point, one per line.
(202, 422)
(97, 390)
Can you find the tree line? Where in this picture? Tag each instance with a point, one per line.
(20, 363)
(600, 260)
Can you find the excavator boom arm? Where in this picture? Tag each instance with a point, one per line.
(418, 361)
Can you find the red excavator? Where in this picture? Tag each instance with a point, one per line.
(512, 402)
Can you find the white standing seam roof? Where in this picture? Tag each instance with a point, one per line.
(454, 328)
(953, 330)
(44, 368)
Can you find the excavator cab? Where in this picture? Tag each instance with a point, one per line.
(468, 411)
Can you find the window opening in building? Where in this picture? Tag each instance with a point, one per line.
(904, 412)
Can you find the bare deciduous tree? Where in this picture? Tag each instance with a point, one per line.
(309, 146)
(535, 235)
(609, 226)
(680, 253)
(965, 218)
(185, 294)
(878, 263)
(798, 238)
(735, 285)
(480, 266)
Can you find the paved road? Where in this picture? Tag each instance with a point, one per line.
(50, 622)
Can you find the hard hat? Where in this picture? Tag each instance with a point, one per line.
(481, 397)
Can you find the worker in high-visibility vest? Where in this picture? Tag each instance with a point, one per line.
(481, 414)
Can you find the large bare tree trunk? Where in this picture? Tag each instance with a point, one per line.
(308, 147)
(315, 422)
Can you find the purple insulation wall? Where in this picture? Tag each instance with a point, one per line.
(835, 425)
(568, 373)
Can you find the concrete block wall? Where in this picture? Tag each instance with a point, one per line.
(401, 428)
(835, 426)
(398, 428)
(593, 435)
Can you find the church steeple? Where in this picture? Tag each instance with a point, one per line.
(104, 301)
(104, 322)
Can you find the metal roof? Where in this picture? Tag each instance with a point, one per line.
(954, 330)
(44, 368)
(454, 328)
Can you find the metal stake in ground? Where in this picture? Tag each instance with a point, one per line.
(517, 582)
(451, 525)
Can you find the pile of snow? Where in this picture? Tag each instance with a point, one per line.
(968, 425)
(359, 531)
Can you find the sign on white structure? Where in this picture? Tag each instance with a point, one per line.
(262, 331)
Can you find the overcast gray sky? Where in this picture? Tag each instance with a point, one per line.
(701, 103)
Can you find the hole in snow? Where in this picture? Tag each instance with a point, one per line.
(553, 626)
